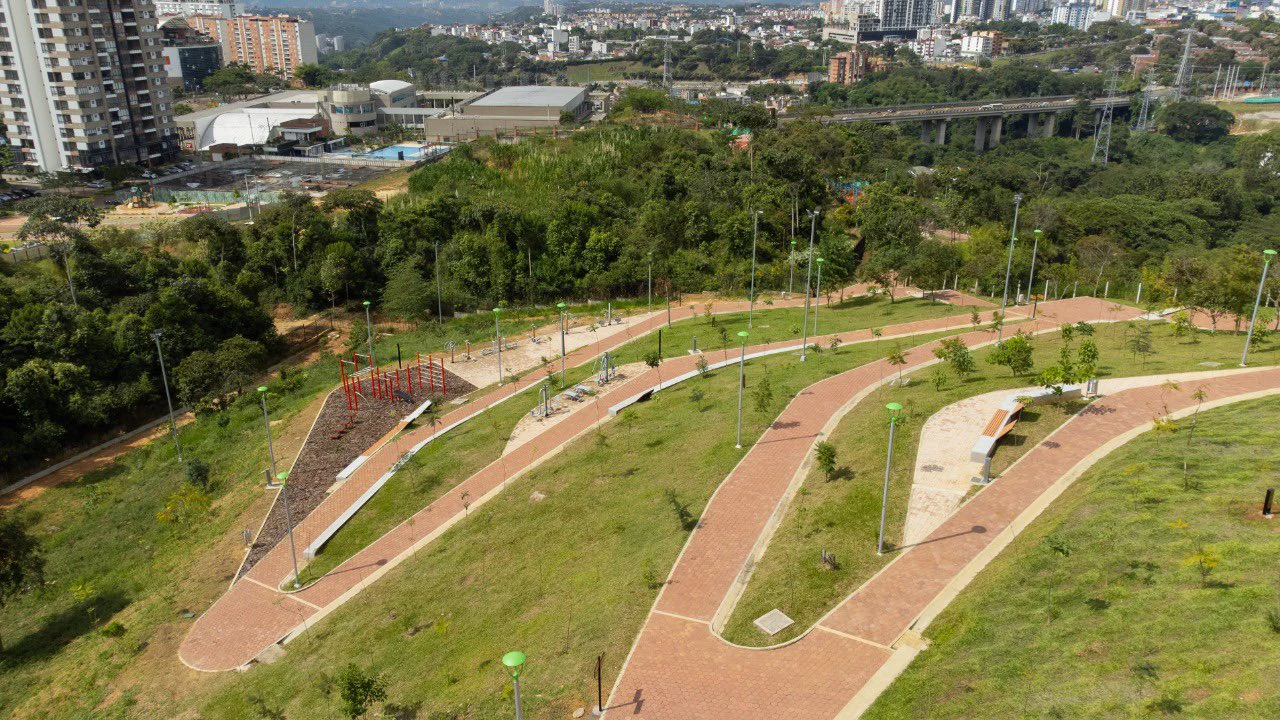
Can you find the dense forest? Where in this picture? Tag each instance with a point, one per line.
(588, 215)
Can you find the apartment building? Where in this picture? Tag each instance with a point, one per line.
(84, 84)
(265, 43)
(213, 8)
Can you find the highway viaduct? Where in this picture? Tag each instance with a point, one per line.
(1041, 115)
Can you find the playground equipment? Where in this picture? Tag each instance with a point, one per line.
(604, 370)
(395, 384)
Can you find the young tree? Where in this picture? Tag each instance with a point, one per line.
(957, 356)
(1139, 342)
(1015, 353)
(21, 562)
(826, 459)
(1199, 396)
(763, 394)
(898, 359)
(359, 689)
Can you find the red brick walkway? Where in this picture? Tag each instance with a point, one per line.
(680, 669)
(253, 614)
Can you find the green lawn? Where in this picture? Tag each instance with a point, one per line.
(718, 334)
(563, 578)
(842, 516)
(463, 451)
(603, 71)
(1133, 630)
(109, 560)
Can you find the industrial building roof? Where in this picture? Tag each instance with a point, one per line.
(530, 96)
(389, 86)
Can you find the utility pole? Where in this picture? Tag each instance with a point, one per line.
(164, 378)
(1008, 268)
(1184, 70)
(808, 286)
(1102, 134)
(1217, 76)
(755, 233)
(666, 66)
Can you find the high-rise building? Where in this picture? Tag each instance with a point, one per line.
(897, 15)
(212, 8)
(1079, 15)
(265, 43)
(84, 84)
(851, 66)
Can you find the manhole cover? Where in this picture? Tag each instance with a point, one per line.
(774, 622)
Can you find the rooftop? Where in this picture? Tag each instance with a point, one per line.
(529, 96)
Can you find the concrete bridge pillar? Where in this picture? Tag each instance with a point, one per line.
(926, 131)
(942, 132)
(997, 128)
(980, 135)
(1050, 124)
(1033, 124)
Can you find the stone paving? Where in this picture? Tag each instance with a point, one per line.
(679, 668)
(230, 634)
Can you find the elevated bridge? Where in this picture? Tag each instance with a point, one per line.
(1041, 115)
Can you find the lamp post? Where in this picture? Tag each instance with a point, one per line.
(1266, 265)
(368, 326)
(894, 411)
(164, 378)
(497, 328)
(791, 277)
(755, 234)
(742, 362)
(266, 423)
(562, 307)
(283, 479)
(813, 225)
(1031, 278)
(817, 305)
(514, 661)
(439, 305)
(650, 282)
(1008, 268)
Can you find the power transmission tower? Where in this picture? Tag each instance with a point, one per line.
(1102, 134)
(1144, 114)
(666, 66)
(1184, 71)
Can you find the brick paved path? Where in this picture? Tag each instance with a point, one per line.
(253, 614)
(679, 668)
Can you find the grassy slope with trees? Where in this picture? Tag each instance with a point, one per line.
(1134, 595)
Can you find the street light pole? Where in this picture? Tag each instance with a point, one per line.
(1035, 247)
(817, 305)
(266, 423)
(562, 307)
(742, 362)
(1266, 265)
(791, 277)
(808, 285)
(650, 282)
(368, 326)
(1008, 268)
(283, 479)
(514, 661)
(439, 304)
(755, 234)
(894, 410)
(497, 328)
(164, 378)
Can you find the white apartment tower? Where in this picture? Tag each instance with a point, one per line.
(84, 84)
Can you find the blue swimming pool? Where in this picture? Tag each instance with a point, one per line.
(392, 152)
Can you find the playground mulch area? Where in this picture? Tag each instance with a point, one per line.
(323, 456)
(321, 459)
